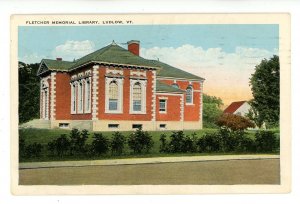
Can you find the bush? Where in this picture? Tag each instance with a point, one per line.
(209, 142)
(22, 148)
(117, 143)
(164, 145)
(33, 150)
(77, 141)
(100, 144)
(234, 122)
(140, 141)
(266, 141)
(181, 143)
(60, 146)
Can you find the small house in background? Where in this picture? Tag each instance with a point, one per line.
(238, 108)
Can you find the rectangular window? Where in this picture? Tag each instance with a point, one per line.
(162, 126)
(137, 126)
(137, 105)
(162, 105)
(113, 126)
(63, 125)
(113, 104)
(87, 92)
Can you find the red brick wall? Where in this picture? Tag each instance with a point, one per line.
(63, 96)
(173, 108)
(126, 98)
(191, 112)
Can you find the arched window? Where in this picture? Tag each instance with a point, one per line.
(189, 95)
(175, 85)
(80, 97)
(113, 96)
(87, 92)
(137, 97)
(73, 105)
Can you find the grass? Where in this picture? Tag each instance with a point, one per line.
(44, 136)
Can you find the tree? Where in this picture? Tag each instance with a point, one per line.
(211, 110)
(265, 90)
(29, 89)
(234, 122)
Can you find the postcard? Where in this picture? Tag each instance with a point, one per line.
(150, 104)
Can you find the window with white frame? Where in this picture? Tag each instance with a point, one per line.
(137, 97)
(175, 85)
(80, 97)
(73, 98)
(189, 95)
(162, 105)
(113, 96)
(87, 98)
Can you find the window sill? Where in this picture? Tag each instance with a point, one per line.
(163, 112)
(114, 112)
(189, 104)
(137, 113)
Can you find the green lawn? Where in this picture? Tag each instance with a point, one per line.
(43, 136)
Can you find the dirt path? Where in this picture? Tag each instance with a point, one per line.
(266, 171)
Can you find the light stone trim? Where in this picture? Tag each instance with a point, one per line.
(119, 81)
(138, 73)
(44, 85)
(153, 106)
(182, 108)
(95, 82)
(114, 71)
(53, 96)
(144, 98)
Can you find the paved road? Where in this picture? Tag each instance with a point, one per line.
(266, 171)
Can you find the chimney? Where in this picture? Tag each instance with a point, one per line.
(134, 47)
(59, 59)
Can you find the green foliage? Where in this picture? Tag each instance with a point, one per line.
(266, 141)
(60, 146)
(209, 143)
(77, 141)
(100, 144)
(22, 147)
(254, 116)
(140, 141)
(117, 143)
(179, 143)
(266, 90)
(234, 122)
(29, 89)
(211, 110)
(33, 150)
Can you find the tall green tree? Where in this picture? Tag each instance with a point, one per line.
(29, 86)
(211, 110)
(265, 90)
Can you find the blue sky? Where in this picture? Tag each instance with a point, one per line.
(223, 54)
(43, 40)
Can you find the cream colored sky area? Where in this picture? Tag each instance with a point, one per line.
(226, 74)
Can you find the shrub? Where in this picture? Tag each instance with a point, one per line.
(210, 142)
(164, 145)
(22, 148)
(266, 141)
(180, 142)
(77, 141)
(100, 144)
(140, 141)
(60, 146)
(117, 143)
(34, 150)
(234, 122)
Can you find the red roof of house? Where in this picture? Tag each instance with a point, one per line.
(234, 106)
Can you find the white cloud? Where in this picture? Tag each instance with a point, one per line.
(73, 49)
(31, 58)
(222, 70)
